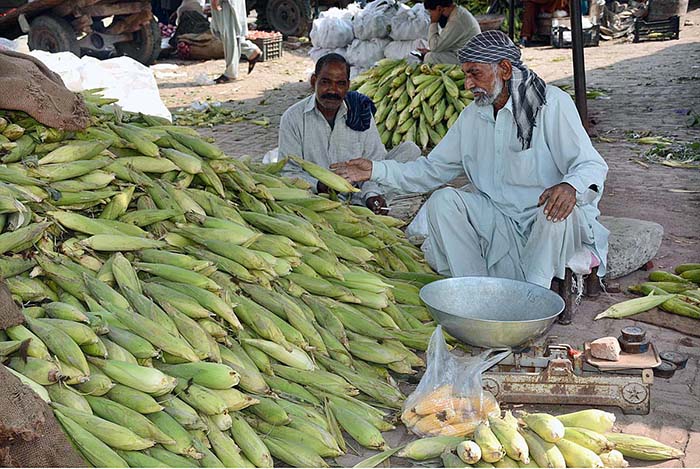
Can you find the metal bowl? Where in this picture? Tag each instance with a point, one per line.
(492, 312)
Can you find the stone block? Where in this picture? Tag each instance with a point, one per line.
(632, 244)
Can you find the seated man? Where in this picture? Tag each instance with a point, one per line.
(456, 27)
(334, 125)
(536, 175)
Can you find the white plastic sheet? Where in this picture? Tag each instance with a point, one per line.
(365, 53)
(410, 23)
(123, 78)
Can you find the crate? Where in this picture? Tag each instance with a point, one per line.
(561, 36)
(657, 30)
(271, 47)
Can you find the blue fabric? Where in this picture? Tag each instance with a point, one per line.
(360, 111)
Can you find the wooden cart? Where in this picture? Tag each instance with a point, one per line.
(97, 27)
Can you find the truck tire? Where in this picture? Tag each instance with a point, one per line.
(52, 34)
(289, 17)
(145, 47)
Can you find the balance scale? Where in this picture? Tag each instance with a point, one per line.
(556, 374)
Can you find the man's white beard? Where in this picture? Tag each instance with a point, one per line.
(484, 98)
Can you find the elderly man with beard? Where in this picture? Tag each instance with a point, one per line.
(537, 178)
(334, 125)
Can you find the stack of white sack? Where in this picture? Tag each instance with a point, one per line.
(374, 22)
(317, 52)
(332, 29)
(366, 53)
(397, 50)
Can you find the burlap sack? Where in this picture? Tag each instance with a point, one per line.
(30, 436)
(204, 46)
(27, 85)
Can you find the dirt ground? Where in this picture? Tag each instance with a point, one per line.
(649, 87)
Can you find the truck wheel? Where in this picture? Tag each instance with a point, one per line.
(290, 17)
(145, 47)
(52, 34)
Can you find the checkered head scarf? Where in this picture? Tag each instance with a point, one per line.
(527, 90)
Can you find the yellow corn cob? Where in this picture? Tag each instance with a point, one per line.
(544, 454)
(134, 399)
(613, 458)
(295, 357)
(594, 441)
(592, 419)
(643, 448)
(546, 426)
(512, 441)
(468, 451)
(91, 447)
(578, 456)
(327, 177)
(183, 440)
(141, 378)
(118, 205)
(114, 435)
(103, 242)
(66, 396)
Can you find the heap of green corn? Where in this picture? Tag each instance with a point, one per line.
(416, 103)
(579, 439)
(677, 293)
(187, 309)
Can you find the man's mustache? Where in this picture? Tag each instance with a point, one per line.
(336, 97)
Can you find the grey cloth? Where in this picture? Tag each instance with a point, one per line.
(444, 43)
(230, 25)
(306, 133)
(465, 230)
(526, 88)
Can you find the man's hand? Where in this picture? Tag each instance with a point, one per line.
(423, 50)
(215, 5)
(435, 15)
(377, 204)
(357, 170)
(321, 188)
(560, 201)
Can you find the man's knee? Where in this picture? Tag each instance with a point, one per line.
(443, 199)
(550, 228)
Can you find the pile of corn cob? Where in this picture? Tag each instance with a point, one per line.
(442, 412)
(579, 439)
(677, 293)
(416, 103)
(187, 309)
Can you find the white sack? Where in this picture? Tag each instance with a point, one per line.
(330, 32)
(375, 20)
(317, 52)
(398, 50)
(366, 53)
(410, 24)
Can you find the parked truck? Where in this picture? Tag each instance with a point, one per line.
(96, 27)
(289, 17)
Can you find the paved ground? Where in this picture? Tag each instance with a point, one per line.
(649, 87)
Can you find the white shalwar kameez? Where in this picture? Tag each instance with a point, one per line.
(231, 26)
(498, 230)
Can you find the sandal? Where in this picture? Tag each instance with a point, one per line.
(252, 62)
(222, 79)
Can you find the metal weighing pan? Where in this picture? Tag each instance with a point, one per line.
(492, 312)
